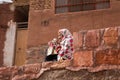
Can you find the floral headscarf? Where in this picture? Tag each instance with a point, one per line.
(65, 32)
(66, 45)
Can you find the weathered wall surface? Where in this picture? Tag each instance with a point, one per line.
(5, 16)
(96, 57)
(97, 47)
(80, 75)
(36, 54)
(2, 39)
(9, 44)
(42, 19)
(59, 71)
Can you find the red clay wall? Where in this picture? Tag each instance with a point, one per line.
(97, 47)
(2, 39)
(5, 13)
(44, 23)
(96, 50)
(5, 16)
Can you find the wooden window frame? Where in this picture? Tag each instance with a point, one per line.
(83, 3)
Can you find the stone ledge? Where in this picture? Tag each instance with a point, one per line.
(95, 69)
(34, 71)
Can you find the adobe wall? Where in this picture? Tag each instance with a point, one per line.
(97, 47)
(2, 39)
(5, 16)
(96, 56)
(42, 19)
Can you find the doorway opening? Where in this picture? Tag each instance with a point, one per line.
(21, 18)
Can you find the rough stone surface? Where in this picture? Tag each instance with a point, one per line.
(92, 39)
(56, 65)
(78, 40)
(36, 54)
(91, 58)
(109, 56)
(119, 37)
(80, 75)
(111, 36)
(6, 73)
(56, 70)
(83, 59)
(74, 21)
(119, 57)
(2, 39)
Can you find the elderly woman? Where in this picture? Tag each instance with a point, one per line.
(65, 44)
(62, 46)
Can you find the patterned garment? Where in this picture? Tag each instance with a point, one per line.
(66, 45)
(63, 46)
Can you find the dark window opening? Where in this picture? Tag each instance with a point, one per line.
(21, 16)
(62, 6)
(22, 25)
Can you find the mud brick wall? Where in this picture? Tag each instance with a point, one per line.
(2, 39)
(42, 18)
(92, 48)
(97, 47)
(5, 14)
(96, 57)
(36, 54)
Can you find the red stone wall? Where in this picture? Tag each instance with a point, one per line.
(96, 50)
(97, 47)
(36, 54)
(5, 16)
(43, 21)
(2, 39)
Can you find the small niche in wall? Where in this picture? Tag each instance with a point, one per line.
(45, 23)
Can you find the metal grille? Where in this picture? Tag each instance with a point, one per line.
(80, 5)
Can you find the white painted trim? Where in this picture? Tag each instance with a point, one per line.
(9, 47)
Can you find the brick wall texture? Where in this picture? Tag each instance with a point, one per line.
(42, 18)
(5, 14)
(97, 47)
(95, 57)
(2, 39)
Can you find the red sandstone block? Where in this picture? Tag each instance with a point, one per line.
(110, 36)
(119, 57)
(61, 64)
(77, 39)
(119, 37)
(83, 59)
(92, 38)
(56, 65)
(108, 56)
(32, 68)
(119, 31)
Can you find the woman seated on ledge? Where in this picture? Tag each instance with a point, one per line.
(60, 48)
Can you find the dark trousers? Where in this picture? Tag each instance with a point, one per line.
(52, 57)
